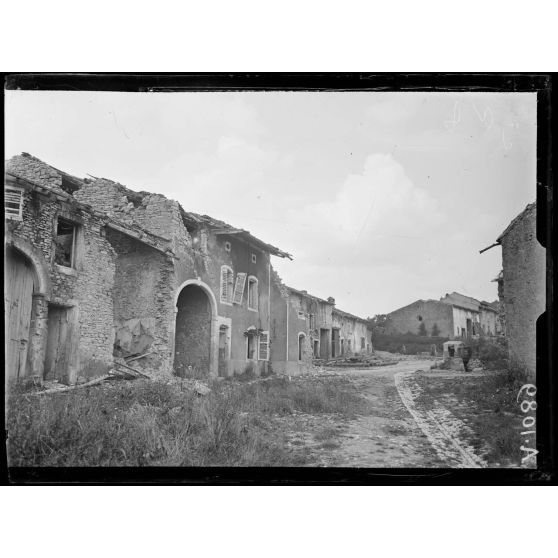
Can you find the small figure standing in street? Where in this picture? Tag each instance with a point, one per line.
(467, 353)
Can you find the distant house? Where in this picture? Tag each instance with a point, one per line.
(454, 316)
(319, 330)
(522, 285)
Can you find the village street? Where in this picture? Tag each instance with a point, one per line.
(398, 432)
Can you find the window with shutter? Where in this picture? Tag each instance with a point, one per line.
(264, 346)
(226, 284)
(239, 288)
(13, 203)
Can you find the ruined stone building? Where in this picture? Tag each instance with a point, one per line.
(522, 285)
(325, 331)
(113, 272)
(95, 270)
(454, 316)
(62, 296)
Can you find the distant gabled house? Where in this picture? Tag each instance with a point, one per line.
(324, 331)
(454, 316)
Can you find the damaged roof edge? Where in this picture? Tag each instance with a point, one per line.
(109, 222)
(221, 228)
(518, 218)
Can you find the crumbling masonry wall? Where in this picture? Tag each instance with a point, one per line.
(142, 300)
(87, 288)
(524, 281)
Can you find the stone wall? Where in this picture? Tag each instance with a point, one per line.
(407, 319)
(27, 166)
(87, 287)
(351, 329)
(524, 286)
(143, 302)
(152, 212)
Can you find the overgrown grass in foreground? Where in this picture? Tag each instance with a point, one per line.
(157, 424)
(490, 407)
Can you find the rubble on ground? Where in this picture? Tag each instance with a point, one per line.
(356, 361)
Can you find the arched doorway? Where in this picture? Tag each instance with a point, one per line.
(21, 282)
(194, 332)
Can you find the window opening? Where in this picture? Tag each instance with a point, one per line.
(251, 347)
(252, 293)
(13, 203)
(65, 243)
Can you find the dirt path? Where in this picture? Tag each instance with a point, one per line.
(397, 433)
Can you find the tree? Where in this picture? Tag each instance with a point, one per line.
(435, 330)
(422, 330)
(378, 324)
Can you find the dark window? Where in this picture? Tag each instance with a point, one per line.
(251, 347)
(65, 243)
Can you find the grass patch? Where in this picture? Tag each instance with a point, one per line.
(153, 423)
(488, 406)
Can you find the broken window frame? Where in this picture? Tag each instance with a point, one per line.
(13, 196)
(73, 251)
(226, 290)
(252, 295)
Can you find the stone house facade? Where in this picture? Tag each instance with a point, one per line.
(454, 316)
(522, 285)
(325, 331)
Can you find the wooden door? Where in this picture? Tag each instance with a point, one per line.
(18, 298)
(58, 343)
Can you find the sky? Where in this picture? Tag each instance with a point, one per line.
(382, 198)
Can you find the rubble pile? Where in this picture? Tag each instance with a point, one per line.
(356, 361)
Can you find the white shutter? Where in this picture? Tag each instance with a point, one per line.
(225, 294)
(239, 288)
(13, 203)
(264, 346)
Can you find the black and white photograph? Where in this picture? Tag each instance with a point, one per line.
(281, 278)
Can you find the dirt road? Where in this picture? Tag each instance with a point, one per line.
(397, 433)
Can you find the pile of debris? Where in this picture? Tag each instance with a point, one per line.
(356, 361)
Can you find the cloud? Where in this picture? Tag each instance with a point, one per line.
(377, 212)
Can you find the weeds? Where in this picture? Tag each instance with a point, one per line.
(489, 404)
(154, 423)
